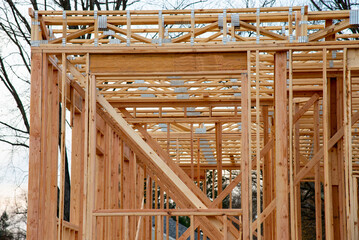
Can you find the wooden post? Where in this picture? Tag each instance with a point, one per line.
(156, 206)
(267, 178)
(127, 228)
(62, 145)
(49, 151)
(192, 227)
(225, 227)
(318, 190)
(230, 194)
(192, 153)
(35, 147)
(219, 156)
(328, 205)
(245, 170)
(213, 181)
(131, 192)
(167, 217)
(249, 125)
(86, 151)
(340, 106)
(108, 139)
(168, 138)
(44, 145)
(52, 169)
(77, 166)
(100, 167)
(91, 161)
(198, 162)
(297, 193)
(258, 140)
(354, 228)
(148, 231)
(281, 145)
(351, 182)
(336, 154)
(291, 155)
(115, 182)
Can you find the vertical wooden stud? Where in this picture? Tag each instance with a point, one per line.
(219, 155)
(291, 172)
(281, 143)
(62, 145)
(258, 150)
(35, 146)
(328, 206)
(318, 191)
(245, 186)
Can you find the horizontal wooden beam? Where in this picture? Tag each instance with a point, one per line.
(149, 102)
(166, 212)
(230, 47)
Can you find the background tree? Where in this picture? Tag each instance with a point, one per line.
(332, 5)
(325, 5)
(5, 233)
(13, 219)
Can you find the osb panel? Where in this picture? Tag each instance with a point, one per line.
(169, 62)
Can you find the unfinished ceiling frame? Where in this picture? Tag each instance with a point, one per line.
(168, 112)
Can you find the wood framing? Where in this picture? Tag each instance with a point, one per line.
(173, 116)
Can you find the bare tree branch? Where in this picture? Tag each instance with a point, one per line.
(14, 143)
(19, 15)
(323, 5)
(13, 128)
(8, 83)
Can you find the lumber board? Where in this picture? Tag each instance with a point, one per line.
(169, 63)
(35, 146)
(245, 167)
(281, 143)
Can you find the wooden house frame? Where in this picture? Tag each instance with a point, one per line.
(157, 103)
